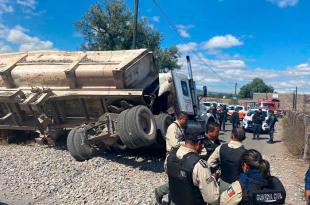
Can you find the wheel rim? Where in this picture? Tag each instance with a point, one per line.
(146, 123)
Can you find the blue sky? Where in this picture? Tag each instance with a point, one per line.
(228, 40)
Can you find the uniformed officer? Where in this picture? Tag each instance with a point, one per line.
(174, 138)
(175, 132)
(257, 120)
(235, 120)
(271, 121)
(255, 185)
(190, 179)
(211, 142)
(228, 157)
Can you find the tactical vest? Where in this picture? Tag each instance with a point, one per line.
(210, 146)
(182, 191)
(230, 162)
(269, 191)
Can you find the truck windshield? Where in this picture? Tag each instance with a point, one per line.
(268, 105)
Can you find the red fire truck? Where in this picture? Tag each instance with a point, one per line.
(273, 104)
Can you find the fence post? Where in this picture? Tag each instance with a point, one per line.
(307, 131)
(306, 149)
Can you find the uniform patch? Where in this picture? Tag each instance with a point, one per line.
(211, 179)
(231, 192)
(203, 163)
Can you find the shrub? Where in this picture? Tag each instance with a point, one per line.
(293, 132)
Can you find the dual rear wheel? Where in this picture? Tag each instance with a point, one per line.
(137, 127)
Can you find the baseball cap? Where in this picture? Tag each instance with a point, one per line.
(194, 136)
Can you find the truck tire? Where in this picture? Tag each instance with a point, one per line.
(77, 146)
(122, 129)
(163, 120)
(142, 125)
(70, 143)
(136, 127)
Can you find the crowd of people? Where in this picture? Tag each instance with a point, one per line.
(202, 169)
(221, 117)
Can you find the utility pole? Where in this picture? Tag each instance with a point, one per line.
(135, 21)
(296, 96)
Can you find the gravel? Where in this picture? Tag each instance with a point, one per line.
(291, 172)
(31, 174)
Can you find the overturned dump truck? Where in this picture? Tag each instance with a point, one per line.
(108, 99)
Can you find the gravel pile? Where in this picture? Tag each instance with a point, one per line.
(40, 175)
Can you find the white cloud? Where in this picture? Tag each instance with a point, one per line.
(182, 29)
(284, 3)
(156, 18)
(31, 4)
(227, 64)
(218, 42)
(187, 47)
(5, 7)
(299, 70)
(18, 35)
(226, 72)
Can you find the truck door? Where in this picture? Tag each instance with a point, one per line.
(183, 94)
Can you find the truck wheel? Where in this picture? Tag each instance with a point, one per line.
(77, 145)
(70, 143)
(142, 125)
(163, 121)
(137, 127)
(122, 129)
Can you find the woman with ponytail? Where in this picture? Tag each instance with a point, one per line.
(255, 185)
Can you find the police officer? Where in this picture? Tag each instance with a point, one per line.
(235, 120)
(174, 138)
(257, 120)
(224, 113)
(190, 180)
(255, 185)
(175, 132)
(228, 156)
(271, 121)
(211, 141)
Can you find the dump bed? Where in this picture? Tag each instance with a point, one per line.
(72, 87)
(126, 69)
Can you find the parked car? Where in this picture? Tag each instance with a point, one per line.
(247, 121)
(241, 109)
(209, 104)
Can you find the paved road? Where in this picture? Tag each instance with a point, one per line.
(260, 145)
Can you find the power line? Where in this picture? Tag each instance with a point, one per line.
(172, 26)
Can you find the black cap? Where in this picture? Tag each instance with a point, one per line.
(195, 138)
(193, 135)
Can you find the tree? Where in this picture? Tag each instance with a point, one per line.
(257, 85)
(110, 27)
